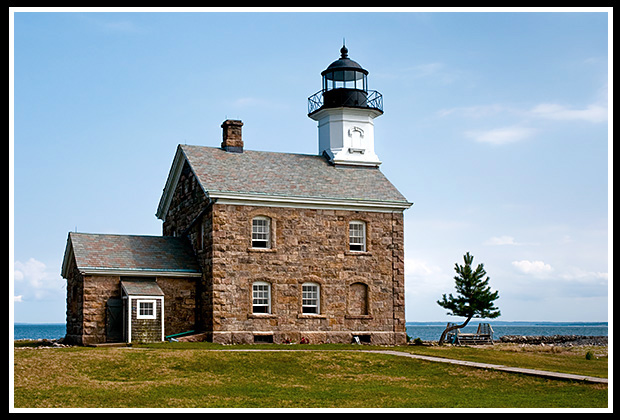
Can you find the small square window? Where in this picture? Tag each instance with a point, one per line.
(146, 309)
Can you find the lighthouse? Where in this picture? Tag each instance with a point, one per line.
(345, 110)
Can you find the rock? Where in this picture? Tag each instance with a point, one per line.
(563, 340)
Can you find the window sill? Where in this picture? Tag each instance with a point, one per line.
(250, 249)
(358, 253)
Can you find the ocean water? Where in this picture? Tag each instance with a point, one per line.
(39, 331)
(425, 331)
(432, 330)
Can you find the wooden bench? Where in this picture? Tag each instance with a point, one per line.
(473, 339)
(484, 335)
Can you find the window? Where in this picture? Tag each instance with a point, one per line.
(310, 302)
(146, 309)
(261, 297)
(260, 232)
(357, 236)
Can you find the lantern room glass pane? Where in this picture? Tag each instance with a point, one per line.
(348, 79)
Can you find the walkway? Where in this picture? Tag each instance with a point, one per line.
(533, 372)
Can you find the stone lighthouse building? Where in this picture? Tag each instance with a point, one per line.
(259, 246)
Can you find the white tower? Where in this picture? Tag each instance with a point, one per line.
(345, 110)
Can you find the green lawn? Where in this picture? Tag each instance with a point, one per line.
(189, 375)
(555, 359)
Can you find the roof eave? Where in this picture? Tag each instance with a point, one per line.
(68, 257)
(138, 272)
(308, 202)
(171, 183)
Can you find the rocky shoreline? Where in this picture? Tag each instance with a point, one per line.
(41, 343)
(557, 340)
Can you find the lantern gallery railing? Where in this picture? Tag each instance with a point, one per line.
(345, 97)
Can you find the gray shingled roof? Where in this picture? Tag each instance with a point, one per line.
(130, 253)
(135, 287)
(287, 175)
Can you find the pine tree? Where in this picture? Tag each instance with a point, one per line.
(474, 298)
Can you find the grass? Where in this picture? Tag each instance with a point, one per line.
(188, 375)
(552, 358)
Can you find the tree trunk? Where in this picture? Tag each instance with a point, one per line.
(454, 327)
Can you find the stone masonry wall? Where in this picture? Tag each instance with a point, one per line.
(75, 302)
(179, 304)
(97, 291)
(187, 203)
(308, 246)
(190, 214)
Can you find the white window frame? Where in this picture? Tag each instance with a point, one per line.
(140, 315)
(258, 293)
(311, 298)
(357, 238)
(261, 233)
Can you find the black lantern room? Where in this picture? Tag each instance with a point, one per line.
(345, 84)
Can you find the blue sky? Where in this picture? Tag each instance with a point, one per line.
(495, 126)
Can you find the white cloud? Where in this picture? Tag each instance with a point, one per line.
(574, 273)
(32, 271)
(418, 268)
(501, 240)
(427, 69)
(121, 26)
(34, 281)
(441, 224)
(110, 25)
(592, 113)
(433, 71)
(475, 111)
(500, 136)
(534, 268)
(595, 112)
(425, 278)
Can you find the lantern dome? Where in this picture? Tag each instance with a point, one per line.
(345, 84)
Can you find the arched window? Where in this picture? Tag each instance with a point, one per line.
(261, 297)
(358, 299)
(357, 236)
(261, 232)
(310, 298)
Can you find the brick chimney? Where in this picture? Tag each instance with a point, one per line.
(231, 136)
